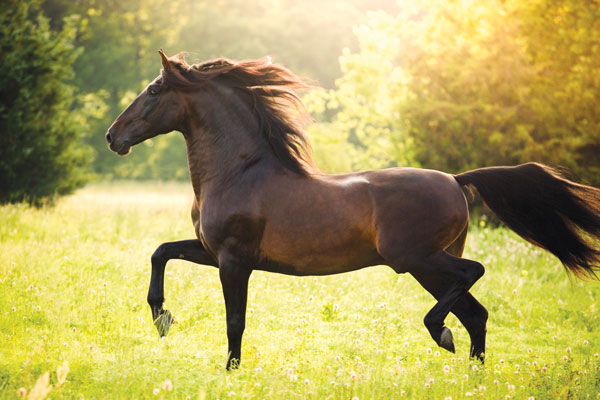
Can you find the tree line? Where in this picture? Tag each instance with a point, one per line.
(460, 85)
(444, 85)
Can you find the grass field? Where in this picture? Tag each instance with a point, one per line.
(73, 284)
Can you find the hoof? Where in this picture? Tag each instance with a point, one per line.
(479, 357)
(446, 340)
(163, 322)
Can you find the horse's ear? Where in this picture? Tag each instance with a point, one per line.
(164, 60)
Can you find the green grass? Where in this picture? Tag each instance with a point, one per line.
(74, 278)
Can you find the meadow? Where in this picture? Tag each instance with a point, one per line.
(75, 324)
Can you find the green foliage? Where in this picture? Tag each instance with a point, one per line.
(445, 85)
(366, 128)
(564, 48)
(41, 154)
(459, 85)
(73, 284)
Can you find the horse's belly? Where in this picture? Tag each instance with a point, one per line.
(319, 255)
(320, 267)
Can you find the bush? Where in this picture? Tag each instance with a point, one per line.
(41, 154)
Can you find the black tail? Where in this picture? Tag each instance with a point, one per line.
(546, 209)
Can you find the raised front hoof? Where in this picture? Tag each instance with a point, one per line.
(446, 340)
(163, 322)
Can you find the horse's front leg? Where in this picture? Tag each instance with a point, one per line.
(189, 250)
(234, 279)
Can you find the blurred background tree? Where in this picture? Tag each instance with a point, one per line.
(461, 85)
(41, 118)
(451, 85)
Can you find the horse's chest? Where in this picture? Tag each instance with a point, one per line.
(236, 235)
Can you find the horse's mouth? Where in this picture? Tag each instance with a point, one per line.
(124, 149)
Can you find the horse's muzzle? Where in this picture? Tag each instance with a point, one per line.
(109, 136)
(122, 148)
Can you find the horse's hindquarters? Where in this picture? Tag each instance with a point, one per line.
(417, 213)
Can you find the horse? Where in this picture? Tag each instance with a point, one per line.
(261, 204)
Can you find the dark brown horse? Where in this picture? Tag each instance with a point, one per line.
(260, 204)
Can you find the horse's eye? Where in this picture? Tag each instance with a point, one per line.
(153, 91)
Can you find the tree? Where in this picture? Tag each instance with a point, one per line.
(461, 85)
(564, 46)
(41, 151)
(365, 130)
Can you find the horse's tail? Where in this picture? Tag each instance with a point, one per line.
(546, 209)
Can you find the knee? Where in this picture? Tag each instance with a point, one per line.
(476, 271)
(483, 313)
(431, 321)
(159, 254)
(235, 325)
(480, 270)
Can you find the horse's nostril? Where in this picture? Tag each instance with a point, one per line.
(108, 138)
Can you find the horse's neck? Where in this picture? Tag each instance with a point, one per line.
(222, 144)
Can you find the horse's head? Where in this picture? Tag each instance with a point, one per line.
(156, 110)
(248, 105)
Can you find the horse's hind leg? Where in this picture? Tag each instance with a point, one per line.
(474, 317)
(457, 275)
(467, 309)
(189, 250)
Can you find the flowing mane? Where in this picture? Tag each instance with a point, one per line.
(270, 90)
